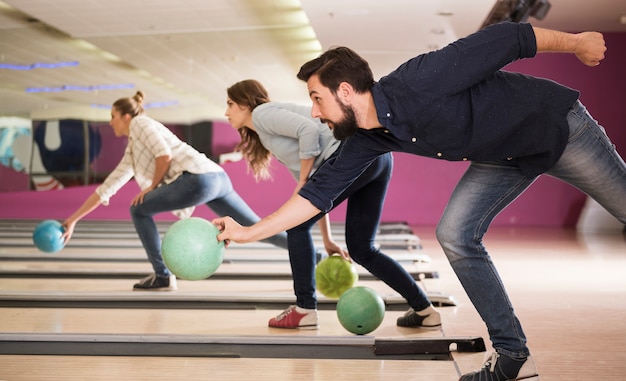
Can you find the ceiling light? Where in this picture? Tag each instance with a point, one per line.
(622, 19)
(78, 88)
(38, 65)
(146, 106)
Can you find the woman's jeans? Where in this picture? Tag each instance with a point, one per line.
(365, 197)
(590, 163)
(213, 189)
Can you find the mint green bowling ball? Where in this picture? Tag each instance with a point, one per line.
(191, 250)
(360, 310)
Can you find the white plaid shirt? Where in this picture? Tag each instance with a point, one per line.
(148, 140)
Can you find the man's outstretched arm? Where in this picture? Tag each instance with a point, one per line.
(294, 212)
(589, 47)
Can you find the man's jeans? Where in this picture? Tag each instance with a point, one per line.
(213, 189)
(589, 163)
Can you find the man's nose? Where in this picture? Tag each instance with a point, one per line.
(315, 112)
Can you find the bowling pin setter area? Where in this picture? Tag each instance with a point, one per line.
(73, 312)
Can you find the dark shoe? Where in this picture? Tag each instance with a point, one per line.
(503, 368)
(156, 283)
(427, 318)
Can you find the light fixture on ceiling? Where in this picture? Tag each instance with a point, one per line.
(38, 65)
(622, 20)
(146, 106)
(78, 88)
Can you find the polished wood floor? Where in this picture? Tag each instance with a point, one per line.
(568, 289)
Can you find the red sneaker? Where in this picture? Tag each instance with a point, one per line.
(291, 318)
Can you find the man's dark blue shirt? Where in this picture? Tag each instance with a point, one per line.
(457, 104)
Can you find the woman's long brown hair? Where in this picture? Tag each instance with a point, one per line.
(251, 93)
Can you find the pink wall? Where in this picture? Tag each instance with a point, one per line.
(420, 187)
(548, 202)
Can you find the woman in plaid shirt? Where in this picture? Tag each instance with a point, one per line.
(172, 176)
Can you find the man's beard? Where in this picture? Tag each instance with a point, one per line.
(345, 127)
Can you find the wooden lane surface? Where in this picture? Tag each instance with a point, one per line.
(235, 323)
(116, 241)
(371, 369)
(125, 226)
(100, 233)
(115, 265)
(107, 368)
(568, 290)
(117, 293)
(205, 322)
(182, 322)
(122, 269)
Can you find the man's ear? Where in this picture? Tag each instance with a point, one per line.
(345, 92)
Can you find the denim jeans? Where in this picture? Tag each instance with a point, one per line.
(589, 162)
(365, 198)
(213, 189)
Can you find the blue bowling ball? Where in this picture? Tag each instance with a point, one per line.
(47, 236)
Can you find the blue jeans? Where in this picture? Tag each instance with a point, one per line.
(589, 162)
(365, 197)
(213, 189)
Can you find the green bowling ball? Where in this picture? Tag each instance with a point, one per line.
(191, 250)
(334, 275)
(360, 310)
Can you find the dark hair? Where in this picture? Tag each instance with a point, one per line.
(251, 93)
(132, 106)
(338, 65)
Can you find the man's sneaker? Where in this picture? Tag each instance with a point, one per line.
(295, 317)
(156, 283)
(503, 368)
(428, 318)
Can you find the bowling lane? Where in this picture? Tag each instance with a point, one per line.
(102, 274)
(108, 272)
(212, 293)
(179, 322)
(106, 368)
(214, 333)
(138, 269)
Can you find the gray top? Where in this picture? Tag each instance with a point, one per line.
(290, 133)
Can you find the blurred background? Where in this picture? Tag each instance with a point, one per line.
(64, 62)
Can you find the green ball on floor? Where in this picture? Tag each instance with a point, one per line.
(360, 310)
(191, 250)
